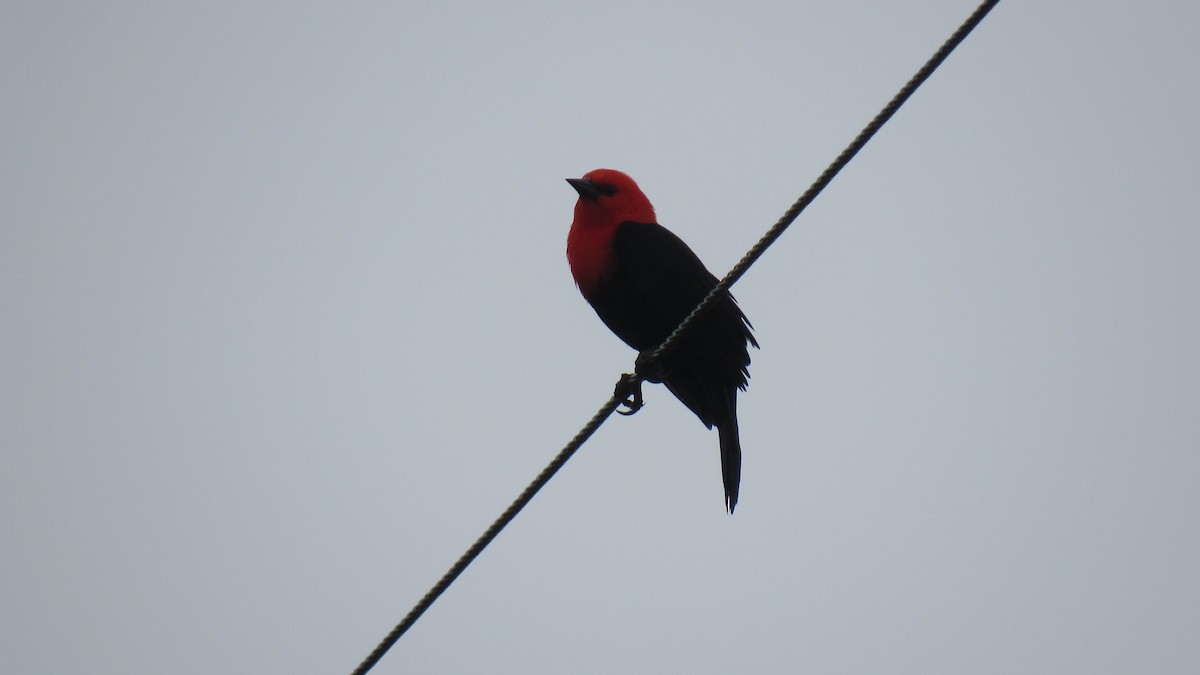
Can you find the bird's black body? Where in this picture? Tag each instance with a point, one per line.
(654, 281)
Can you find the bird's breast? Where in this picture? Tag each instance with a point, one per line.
(590, 255)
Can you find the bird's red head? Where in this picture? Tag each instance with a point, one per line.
(607, 198)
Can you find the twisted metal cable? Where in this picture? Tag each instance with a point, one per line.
(486, 538)
(824, 179)
(627, 381)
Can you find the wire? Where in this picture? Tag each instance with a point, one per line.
(824, 179)
(627, 381)
(505, 518)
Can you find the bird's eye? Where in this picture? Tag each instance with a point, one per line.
(605, 189)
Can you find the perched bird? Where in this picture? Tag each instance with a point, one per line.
(643, 280)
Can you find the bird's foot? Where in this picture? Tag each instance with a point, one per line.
(629, 388)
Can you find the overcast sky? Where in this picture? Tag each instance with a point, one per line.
(287, 321)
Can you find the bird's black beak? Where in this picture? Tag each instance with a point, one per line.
(585, 187)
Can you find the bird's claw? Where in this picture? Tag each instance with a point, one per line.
(630, 390)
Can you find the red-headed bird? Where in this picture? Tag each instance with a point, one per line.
(643, 280)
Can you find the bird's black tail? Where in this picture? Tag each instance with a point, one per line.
(731, 458)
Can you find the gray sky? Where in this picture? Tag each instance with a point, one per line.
(287, 322)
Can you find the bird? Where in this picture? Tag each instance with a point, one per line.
(643, 280)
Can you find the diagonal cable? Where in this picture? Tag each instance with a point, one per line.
(486, 538)
(824, 179)
(723, 286)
